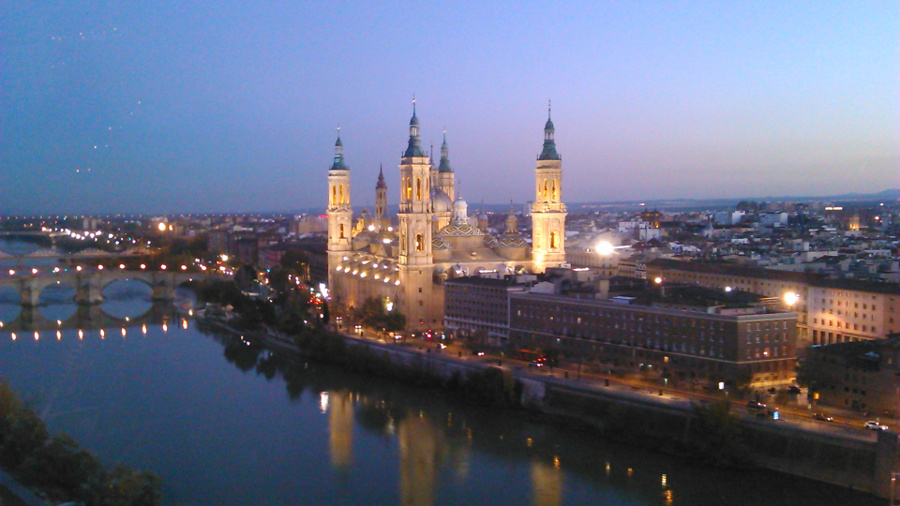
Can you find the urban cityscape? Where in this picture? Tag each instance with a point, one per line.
(617, 295)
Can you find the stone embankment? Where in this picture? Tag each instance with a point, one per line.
(845, 460)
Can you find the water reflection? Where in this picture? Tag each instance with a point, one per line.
(436, 443)
(91, 321)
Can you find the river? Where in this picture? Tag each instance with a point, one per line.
(224, 422)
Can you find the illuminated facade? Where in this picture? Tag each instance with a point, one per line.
(433, 238)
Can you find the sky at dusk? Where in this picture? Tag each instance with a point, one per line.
(172, 106)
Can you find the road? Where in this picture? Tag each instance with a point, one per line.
(792, 409)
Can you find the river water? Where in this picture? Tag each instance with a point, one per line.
(224, 422)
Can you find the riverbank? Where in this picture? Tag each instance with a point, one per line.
(661, 422)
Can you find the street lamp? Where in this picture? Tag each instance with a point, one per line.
(604, 248)
(791, 298)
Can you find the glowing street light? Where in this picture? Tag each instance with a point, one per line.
(791, 298)
(604, 248)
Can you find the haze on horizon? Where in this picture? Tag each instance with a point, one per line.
(176, 107)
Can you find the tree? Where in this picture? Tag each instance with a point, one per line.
(717, 436)
(372, 313)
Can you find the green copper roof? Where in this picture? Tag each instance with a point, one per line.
(445, 157)
(339, 156)
(549, 151)
(415, 144)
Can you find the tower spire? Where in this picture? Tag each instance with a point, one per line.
(338, 163)
(445, 156)
(415, 143)
(549, 151)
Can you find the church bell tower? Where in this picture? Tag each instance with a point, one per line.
(548, 213)
(340, 214)
(415, 259)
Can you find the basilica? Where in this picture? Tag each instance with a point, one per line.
(404, 260)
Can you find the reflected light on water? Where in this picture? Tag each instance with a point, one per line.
(323, 402)
(663, 480)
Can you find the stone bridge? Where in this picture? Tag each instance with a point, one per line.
(89, 285)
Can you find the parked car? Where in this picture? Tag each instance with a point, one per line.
(823, 417)
(793, 389)
(873, 425)
(755, 405)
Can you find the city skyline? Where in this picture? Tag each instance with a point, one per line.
(114, 108)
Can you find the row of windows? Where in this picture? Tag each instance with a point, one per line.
(581, 316)
(855, 304)
(838, 324)
(766, 352)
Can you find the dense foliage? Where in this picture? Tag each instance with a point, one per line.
(57, 469)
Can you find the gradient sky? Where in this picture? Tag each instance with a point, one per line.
(171, 106)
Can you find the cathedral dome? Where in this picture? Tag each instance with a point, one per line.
(440, 201)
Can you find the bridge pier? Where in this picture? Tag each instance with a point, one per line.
(163, 287)
(30, 294)
(88, 289)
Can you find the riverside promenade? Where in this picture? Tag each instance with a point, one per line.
(836, 453)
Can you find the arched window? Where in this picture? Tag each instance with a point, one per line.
(341, 193)
(342, 230)
(418, 188)
(552, 240)
(420, 243)
(334, 195)
(545, 189)
(553, 194)
(408, 188)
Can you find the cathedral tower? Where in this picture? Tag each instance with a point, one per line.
(380, 199)
(415, 200)
(548, 213)
(415, 260)
(446, 180)
(340, 215)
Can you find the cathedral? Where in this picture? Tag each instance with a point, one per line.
(403, 261)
